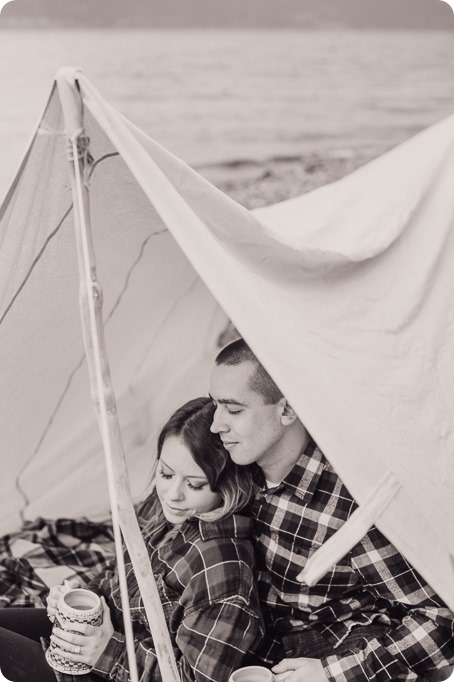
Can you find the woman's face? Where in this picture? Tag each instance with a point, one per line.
(181, 485)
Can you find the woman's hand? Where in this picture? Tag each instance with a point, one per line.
(55, 594)
(87, 642)
(300, 670)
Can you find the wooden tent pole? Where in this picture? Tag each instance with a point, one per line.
(123, 513)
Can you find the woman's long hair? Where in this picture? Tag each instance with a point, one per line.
(235, 484)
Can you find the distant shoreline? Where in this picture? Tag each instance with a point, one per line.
(9, 25)
(255, 184)
(264, 115)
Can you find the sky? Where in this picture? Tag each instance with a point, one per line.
(411, 14)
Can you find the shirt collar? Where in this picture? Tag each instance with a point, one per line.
(305, 474)
(235, 526)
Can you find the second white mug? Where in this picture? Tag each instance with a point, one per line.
(252, 673)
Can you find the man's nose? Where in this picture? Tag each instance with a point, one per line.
(218, 425)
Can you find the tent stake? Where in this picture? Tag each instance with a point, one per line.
(123, 513)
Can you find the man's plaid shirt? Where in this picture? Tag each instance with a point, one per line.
(204, 575)
(372, 584)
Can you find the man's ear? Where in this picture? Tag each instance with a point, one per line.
(288, 414)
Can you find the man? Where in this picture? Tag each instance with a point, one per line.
(372, 617)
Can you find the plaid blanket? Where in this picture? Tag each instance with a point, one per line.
(46, 552)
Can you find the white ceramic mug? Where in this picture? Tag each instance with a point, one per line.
(74, 606)
(252, 673)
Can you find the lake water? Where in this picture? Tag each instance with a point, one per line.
(213, 96)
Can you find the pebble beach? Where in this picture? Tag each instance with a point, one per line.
(258, 184)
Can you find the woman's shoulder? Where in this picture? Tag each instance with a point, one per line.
(219, 562)
(235, 526)
(214, 543)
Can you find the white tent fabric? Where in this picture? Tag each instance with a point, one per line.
(345, 294)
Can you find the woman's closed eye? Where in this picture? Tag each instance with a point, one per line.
(168, 476)
(196, 487)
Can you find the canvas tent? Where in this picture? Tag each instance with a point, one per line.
(345, 294)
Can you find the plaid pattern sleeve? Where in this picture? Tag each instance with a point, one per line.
(216, 635)
(204, 575)
(421, 644)
(211, 644)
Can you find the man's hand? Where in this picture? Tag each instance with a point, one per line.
(300, 670)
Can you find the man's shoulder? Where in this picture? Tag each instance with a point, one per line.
(314, 481)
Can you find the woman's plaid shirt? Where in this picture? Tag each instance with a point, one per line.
(204, 575)
(373, 583)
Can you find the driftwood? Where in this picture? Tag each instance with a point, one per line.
(123, 514)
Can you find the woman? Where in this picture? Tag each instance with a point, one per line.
(202, 559)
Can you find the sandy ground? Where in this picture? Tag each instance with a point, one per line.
(256, 184)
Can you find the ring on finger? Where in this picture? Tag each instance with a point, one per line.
(77, 649)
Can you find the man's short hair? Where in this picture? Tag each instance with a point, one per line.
(238, 352)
